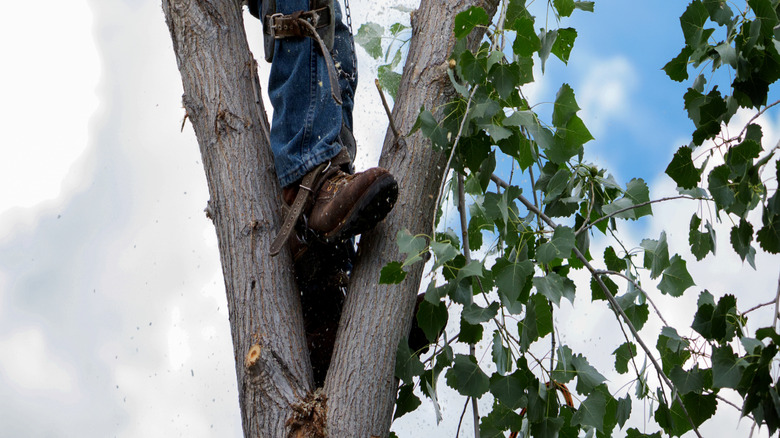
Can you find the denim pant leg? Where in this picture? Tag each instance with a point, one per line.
(306, 120)
(346, 65)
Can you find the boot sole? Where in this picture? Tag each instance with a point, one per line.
(368, 211)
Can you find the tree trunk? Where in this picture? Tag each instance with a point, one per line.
(222, 100)
(361, 384)
(220, 79)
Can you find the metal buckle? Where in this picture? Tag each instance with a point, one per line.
(272, 19)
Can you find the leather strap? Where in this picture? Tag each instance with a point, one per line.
(305, 24)
(295, 211)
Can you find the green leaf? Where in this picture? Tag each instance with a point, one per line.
(564, 369)
(687, 381)
(548, 427)
(692, 22)
(587, 376)
(564, 43)
(511, 279)
(516, 10)
(392, 273)
(432, 130)
(505, 77)
(741, 237)
(369, 36)
(597, 293)
(623, 410)
(510, 389)
(701, 243)
(740, 157)
(537, 322)
(569, 141)
(473, 269)
(407, 363)
(706, 112)
(444, 252)
(528, 120)
(719, 11)
(467, 378)
(565, 106)
(634, 433)
(502, 357)
(673, 349)
(636, 193)
(726, 368)
(474, 314)
(526, 41)
(676, 278)
(406, 401)
(677, 68)
(432, 318)
(388, 79)
(469, 19)
(716, 323)
(472, 69)
(470, 333)
(625, 352)
(656, 255)
(719, 186)
(547, 39)
(769, 235)
(564, 7)
(559, 246)
(613, 262)
(412, 246)
(553, 286)
(591, 411)
(499, 419)
(699, 407)
(682, 170)
(587, 6)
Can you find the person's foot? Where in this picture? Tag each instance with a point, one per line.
(346, 205)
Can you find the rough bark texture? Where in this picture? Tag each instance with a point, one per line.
(221, 100)
(221, 96)
(361, 386)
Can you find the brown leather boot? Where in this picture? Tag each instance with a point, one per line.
(347, 205)
(343, 204)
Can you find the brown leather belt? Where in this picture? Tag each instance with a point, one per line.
(305, 24)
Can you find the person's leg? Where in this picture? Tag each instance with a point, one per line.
(307, 138)
(306, 120)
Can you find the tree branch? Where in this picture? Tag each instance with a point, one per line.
(612, 301)
(587, 225)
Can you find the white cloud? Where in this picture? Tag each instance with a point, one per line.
(31, 363)
(605, 93)
(49, 92)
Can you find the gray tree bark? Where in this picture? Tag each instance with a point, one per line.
(222, 100)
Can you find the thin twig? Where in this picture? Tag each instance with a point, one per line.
(733, 405)
(612, 301)
(467, 255)
(387, 110)
(449, 160)
(758, 306)
(636, 285)
(777, 304)
(462, 414)
(587, 225)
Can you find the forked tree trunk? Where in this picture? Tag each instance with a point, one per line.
(222, 100)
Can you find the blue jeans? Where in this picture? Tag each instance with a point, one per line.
(306, 120)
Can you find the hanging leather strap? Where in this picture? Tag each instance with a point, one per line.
(305, 24)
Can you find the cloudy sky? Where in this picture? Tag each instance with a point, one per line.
(113, 319)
